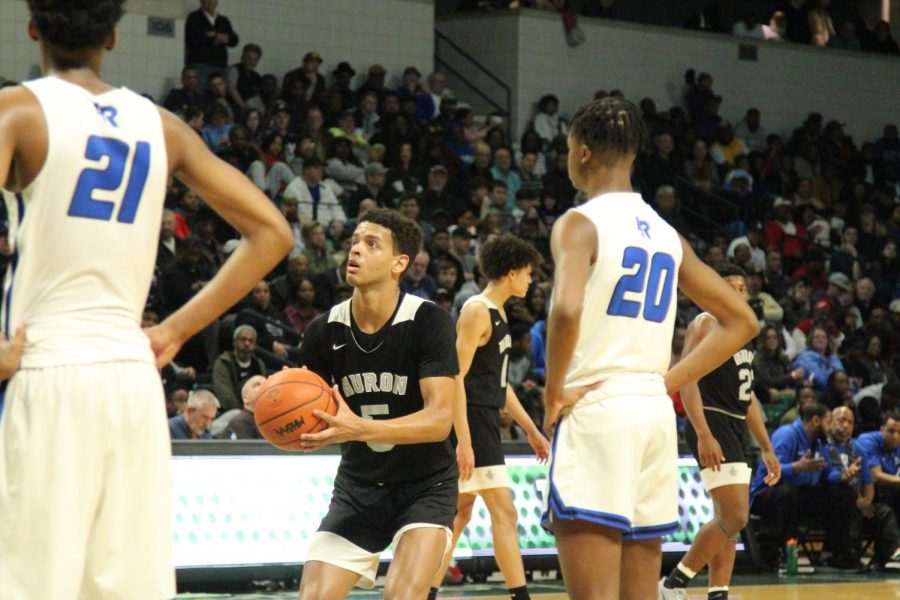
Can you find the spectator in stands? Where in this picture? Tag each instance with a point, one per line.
(169, 245)
(797, 20)
(660, 167)
(270, 172)
(557, 183)
(343, 76)
(428, 103)
(236, 366)
(529, 179)
(265, 99)
(776, 29)
(820, 25)
(316, 201)
(374, 188)
(503, 171)
(344, 166)
(243, 80)
(837, 393)
(769, 309)
(887, 149)
(750, 131)
(403, 174)
(218, 125)
(315, 248)
(727, 148)
(301, 309)
(186, 277)
(277, 342)
(773, 369)
(805, 396)
(411, 209)
(777, 283)
(481, 162)
(548, 123)
(207, 37)
(882, 451)
(885, 270)
(879, 523)
(666, 204)
(865, 300)
(809, 483)
(178, 99)
(531, 143)
(241, 424)
(240, 152)
(818, 360)
(749, 26)
(198, 415)
(784, 235)
(308, 71)
(374, 82)
(283, 286)
(437, 195)
(417, 281)
(873, 368)
(700, 169)
(366, 114)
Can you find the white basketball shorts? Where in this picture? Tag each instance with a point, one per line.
(615, 463)
(85, 484)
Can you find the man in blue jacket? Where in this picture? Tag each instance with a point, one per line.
(809, 482)
(878, 521)
(882, 451)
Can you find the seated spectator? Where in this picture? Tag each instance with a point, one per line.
(879, 523)
(270, 172)
(818, 361)
(301, 310)
(234, 367)
(366, 115)
(438, 196)
(784, 235)
(727, 148)
(373, 189)
(773, 369)
(344, 166)
(749, 26)
(428, 103)
(872, 367)
(776, 30)
(198, 415)
(700, 169)
(277, 342)
(548, 123)
(557, 182)
(243, 80)
(215, 132)
(810, 485)
(750, 131)
(315, 201)
(178, 99)
(403, 174)
(502, 171)
(764, 305)
(217, 97)
(374, 82)
(187, 276)
(316, 248)
(660, 167)
(820, 25)
(241, 152)
(241, 424)
(805, 396)
(845, 258)
(837, 392)
(666, 205)
(881, 450)
(417, 281)
(267, 97)
(283, 286)
(313, 80)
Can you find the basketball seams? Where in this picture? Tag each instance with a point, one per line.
(295, 407)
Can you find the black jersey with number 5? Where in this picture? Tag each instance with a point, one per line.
(727, 389)
(378, 375)
(487, 377)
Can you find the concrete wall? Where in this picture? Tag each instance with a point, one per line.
(394, 33)
(785, 83)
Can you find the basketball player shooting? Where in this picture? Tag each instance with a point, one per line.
(85, 489)
(613, 489)
(719, 407)
(392, 358)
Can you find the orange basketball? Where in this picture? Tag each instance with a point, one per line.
(285, 405)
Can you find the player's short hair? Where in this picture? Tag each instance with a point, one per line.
(506, 253)
(811, 410)
(730, 270)
(76, 24)
(405, 233)
(611, 127)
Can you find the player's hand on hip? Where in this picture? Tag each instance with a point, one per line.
(560, 406)
(465, 458)
(11, 353)
(711, 455)
(164, 343)
(344, 426)
(773, 466)
(540, 445)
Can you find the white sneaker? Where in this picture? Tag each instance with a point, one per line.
(664, 593)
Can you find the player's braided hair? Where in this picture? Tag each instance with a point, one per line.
(611, 127)
(406, 233)
(76, 24)
(506, 253)
(730, 270)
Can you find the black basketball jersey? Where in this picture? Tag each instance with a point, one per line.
(727, 388)
(487, 376)
(378, 375)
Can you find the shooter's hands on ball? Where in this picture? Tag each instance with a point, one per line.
(344, 426)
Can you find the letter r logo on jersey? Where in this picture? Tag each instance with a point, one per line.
(107, 113)
(643, 227)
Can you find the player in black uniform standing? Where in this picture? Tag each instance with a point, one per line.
(720, 406)
(483, 344)
(392, 359)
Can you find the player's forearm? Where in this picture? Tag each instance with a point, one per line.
(562, 336)
(431, 424)
(717, 347)
(518, 412)
(460, 413)
(757, 426)
(693, 406)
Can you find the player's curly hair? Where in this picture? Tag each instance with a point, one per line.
(730, 270)
(611, 127)
(406, 233)
(76, 24)
(506, 253)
